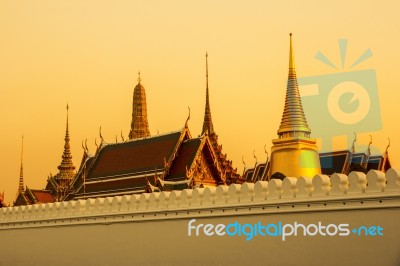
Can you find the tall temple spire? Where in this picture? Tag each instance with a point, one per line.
(207, 124)
(293, 121)
(66, 174)
(21, 170)
(139, 124)
(294, 153)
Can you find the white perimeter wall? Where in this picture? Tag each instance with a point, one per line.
(152, 229)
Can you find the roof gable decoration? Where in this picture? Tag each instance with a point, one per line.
(214, 157)
(200, 170)
(51, 183)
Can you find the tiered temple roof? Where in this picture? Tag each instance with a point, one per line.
(346, 161)
(162, 162)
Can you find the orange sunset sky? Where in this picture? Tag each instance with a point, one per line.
(88, 53)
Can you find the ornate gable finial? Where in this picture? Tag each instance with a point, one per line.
(353, 148)
(83, 147)
(265, 150)
(369, 145)
(86, 147)
(101, 136)
(387, 147)
(21, 170)
(122, 137)
(187, 119)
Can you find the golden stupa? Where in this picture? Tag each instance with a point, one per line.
(294, 153)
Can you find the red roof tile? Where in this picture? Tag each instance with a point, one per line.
(186, 155)
(43, 196)
(134, 156)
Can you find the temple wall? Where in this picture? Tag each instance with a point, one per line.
(152, 229)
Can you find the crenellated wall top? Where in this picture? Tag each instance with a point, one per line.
(321, 188)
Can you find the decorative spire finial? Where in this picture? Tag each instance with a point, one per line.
(208, 127)
(139, 79)
(294, 122)
(67, 129)
(21, 170)
(207, 70)
(66, 174)
(291, 59)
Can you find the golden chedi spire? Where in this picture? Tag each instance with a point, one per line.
(139, 124)
(21, 170)
(66, 174)
(293, 119)
(294, 153)
(208, 126)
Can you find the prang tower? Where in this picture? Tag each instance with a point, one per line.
(294, 153)
(139, 125)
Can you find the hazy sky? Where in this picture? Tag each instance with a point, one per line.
(88, 53)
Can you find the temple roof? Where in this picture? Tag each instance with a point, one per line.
(124, 168)
(135, 156)
(43, 196)
(334, 162)
(187, 154)
(33, 196)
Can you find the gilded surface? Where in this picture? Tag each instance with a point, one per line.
(294, 153)
(202, 173)
(139, 124)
